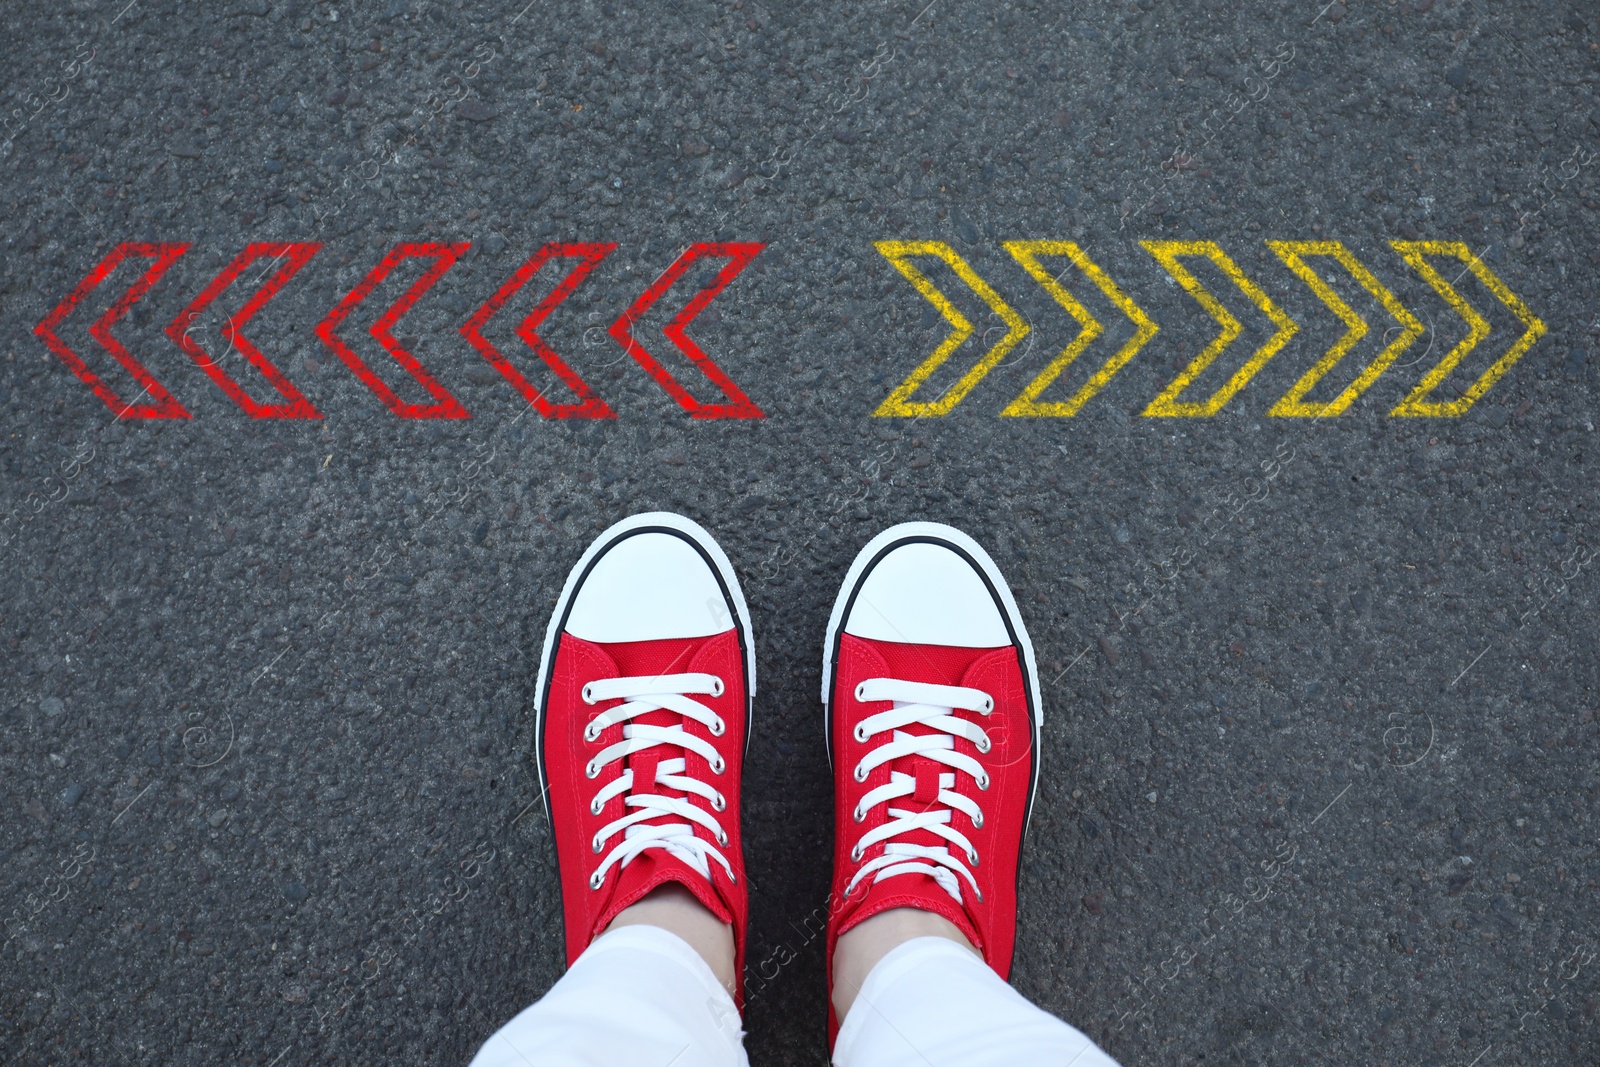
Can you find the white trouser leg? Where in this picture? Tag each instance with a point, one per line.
(637, 996)
(932, 1003)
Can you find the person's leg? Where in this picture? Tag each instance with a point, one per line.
(638, 994)
(859, 950)
(643, 701)
(934, 712)
(677, 911)
(930, 1002)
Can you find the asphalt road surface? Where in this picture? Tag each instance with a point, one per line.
(1309, 559)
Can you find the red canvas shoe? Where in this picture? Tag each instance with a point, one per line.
(932, 707)
(644, 700)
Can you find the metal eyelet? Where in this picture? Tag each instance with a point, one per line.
(972, 858)
(716, 686)
(722, 839)
(861, 773)
(594, 808)
(596, 880)
(988, 705)
(978, 891)
(859, 815)
(977, 821)
(983, 744)
(718, 728)
(855, 854)
(588, 694)
(591, 771)
(860, 690)
(598, 844)
(590, 734)
(983, 783)
(719, 766)
(861, 732)
(719, 802)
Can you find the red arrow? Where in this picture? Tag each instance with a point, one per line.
(162, 404)
(444, 256)
(739, 406)
(590, 406)
(295, 405)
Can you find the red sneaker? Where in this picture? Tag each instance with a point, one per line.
(644, 700)
(932, 707)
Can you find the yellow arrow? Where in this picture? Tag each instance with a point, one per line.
(899, 402)
(1027, 253)
(1167, 253)
(1418, 403)
(1293, 402)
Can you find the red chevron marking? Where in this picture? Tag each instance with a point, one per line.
(294, 405)
(162, 404)
(589, 405)
(739, 406)
(444, 256)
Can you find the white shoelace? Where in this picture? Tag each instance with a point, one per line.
(666, 692)
(932, 706)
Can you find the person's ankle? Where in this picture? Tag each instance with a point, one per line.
(861, 947)
(674, 909)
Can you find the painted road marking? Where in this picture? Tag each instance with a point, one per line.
(738, 406)
(1293, 254)
(1027, 253)
(162, 405)
(1169, 254)
(589, 405)
(288, 258)
(1167, 404)
(1418, 403)
(444, 406)
(899, 402)
(294, 404)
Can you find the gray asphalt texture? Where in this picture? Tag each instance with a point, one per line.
(1320, 732)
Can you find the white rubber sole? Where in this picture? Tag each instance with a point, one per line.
(665, 522)
(962, 545)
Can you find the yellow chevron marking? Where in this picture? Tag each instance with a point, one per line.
(1167, 253)
(1027, 253)
(1418, 404)
(899, 402)
(1293, 403)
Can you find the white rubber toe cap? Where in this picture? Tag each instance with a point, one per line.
(923, 593)
(648, 586)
